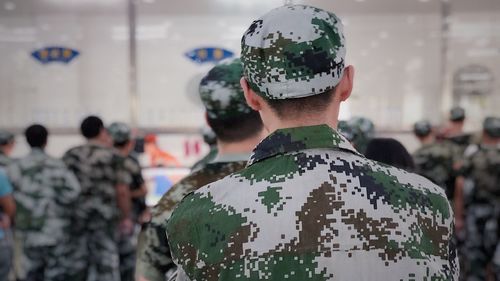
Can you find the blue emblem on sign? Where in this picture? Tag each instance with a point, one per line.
(55, 54)
(210, 54)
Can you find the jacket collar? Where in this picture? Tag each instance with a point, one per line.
(300, 138)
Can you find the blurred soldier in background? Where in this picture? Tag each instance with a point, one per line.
(6, 146)
(346, 130)
(237, 128)
(363, 131)
(478, 191)
(308, 206)
(435, 160)
(44, 191)
(103, 207)
(455, 130)
(211, 139)
(7, 211)
(123, 142)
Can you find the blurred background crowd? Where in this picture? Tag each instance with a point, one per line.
(106, 93)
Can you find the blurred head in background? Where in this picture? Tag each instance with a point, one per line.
(92, 128)
(36, 136)
(423, 131)
(227, 113)
(121, 135)
(391, 152)
(7, 142)
(491, 131)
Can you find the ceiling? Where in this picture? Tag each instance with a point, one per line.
(118, 7)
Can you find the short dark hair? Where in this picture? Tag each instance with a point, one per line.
(295, 107)
(121, 144)
(91, 127)
(36, 135)
(391, 152)
(236, 129)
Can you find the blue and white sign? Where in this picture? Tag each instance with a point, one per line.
(55, 54)
(208, 54)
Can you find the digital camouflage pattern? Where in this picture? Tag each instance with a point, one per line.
(436, 162)
(309, 207)
(120, 132)
(346, 130)
(154, 254)
(482, 172)
(99, 170)
(294, 51)
(45, 191)
(221, 93)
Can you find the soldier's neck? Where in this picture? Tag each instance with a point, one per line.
(240, 147)
(427, 140)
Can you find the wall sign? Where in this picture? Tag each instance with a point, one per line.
(55, 54)
(208, 54)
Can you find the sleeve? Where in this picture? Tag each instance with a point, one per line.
(154, 259)
(5, 186)
(123, 175)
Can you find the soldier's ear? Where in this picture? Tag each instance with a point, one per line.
(344, 88)
(253, 100)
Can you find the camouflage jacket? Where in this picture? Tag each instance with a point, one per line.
(44, 190)
(98, 169)
(309, 207)
(482, 169)
(133, 167)
(154, 258)
(436, 162)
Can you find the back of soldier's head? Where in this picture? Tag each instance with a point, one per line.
(422, 129)
(91, 127)
(457, 114)
(120, 133)
(227, 112)
(36, 136)
(294, 58)
(491, 127)
(6, 137)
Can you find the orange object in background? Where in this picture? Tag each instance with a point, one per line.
(157, 156)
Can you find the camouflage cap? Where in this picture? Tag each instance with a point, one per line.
(221, 93)
(491, 126)
(346, 130)
(457, 114)
(6, 137)
(209, 136)
(120, 132)
(294, 51)
(422, 128)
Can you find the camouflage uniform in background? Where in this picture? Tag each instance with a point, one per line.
(210, 139)
(223, 99)
(436, 161)
(308, 206)
(5, 137)
(45, 191)
(121, 133)
(99, 170)
(363, 131)
(481, 171)
(154, 255)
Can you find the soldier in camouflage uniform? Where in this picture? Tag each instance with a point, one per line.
(455, 133)
(435, 160)
(481, 173)
(103, 206)
(123, 142)
(309, 206)
(363, 131)
(44, 191)
(210, 139)
(237, 129)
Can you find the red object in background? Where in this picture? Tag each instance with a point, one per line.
(157, 156)
(192, 148)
